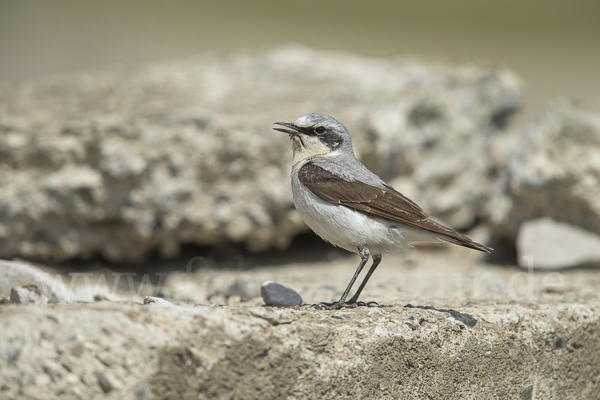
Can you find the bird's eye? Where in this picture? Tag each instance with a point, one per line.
(320, 130)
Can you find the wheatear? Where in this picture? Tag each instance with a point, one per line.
(351, 207)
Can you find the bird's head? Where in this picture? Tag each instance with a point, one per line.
(317, 135)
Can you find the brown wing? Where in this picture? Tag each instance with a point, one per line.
(385, 203)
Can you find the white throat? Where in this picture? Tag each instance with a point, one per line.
(312, 148)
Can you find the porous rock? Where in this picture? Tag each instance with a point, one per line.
(121, 161)
(243, 353)
(552, 171)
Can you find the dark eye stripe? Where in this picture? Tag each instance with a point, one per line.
(331, 140)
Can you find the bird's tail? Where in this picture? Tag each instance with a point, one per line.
(464, 241)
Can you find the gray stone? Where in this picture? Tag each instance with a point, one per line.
(277, 295)
(527, 393)
(411, 326)
(103, 382)
(28, 294)
(547, 244)
(77, 349)
(559, 342)
(140, 393)
(122, 161)
(13, 354)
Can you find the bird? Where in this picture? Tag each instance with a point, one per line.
(349, 206)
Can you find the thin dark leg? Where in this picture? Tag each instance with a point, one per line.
(364, 257)
(376, 261)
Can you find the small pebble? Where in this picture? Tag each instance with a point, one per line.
(277, 295)
(77, 349)
(140, 393)
(103, 382)
(527, 393)
(13, 353)
(559, 342)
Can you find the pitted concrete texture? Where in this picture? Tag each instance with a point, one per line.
(474, 331)
(118, 351)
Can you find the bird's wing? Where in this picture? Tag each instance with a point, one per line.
(381, 202)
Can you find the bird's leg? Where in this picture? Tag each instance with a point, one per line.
(354, 299)
(364, 257)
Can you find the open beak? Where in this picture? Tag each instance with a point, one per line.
(293, 131)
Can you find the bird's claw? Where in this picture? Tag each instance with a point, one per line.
(337, 305)
(367, 304)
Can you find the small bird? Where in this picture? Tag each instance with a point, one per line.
(349, 206)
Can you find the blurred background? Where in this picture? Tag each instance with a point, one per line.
(138, 131)
(552, 45)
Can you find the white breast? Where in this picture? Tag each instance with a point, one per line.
(349, 229)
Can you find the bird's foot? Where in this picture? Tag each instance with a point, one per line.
(337, 305)
(367, 304)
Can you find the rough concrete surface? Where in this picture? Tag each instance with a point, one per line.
(474, 331)
(117, 351)
(121, 162)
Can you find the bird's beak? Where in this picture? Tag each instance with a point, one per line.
(295, 130)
